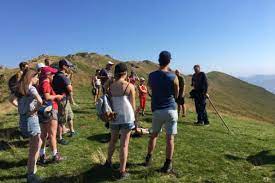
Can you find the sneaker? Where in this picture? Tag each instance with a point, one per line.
(148, 161)
(123, 175)
(32, 178)
(72, 134)
(108, 164)
(167, 167)
(63, 142)
(57, 158)
(206, 123)
(43, 159)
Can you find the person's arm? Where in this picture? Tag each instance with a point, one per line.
(69, 88)
(13, 100)
(38, 98)
(176, 87)
(133, 96)
(107, 85)
(53, 97)
(205, 84)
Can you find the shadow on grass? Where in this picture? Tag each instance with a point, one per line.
(262, 158)
(11, 164)
(4, 145)
(77, 111)
(102, 138)
(12, 177)
(10, 133)
(97, 173)
(232, 157)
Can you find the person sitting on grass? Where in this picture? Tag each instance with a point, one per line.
(123, 102)
(49, 124)
(165, 88)
(28, 101)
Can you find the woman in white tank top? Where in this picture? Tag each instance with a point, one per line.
(123, 104)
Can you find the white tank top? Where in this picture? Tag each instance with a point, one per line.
(97, 81)
(123, 108)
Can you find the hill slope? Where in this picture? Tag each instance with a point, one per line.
(231, 95)
(202, 154)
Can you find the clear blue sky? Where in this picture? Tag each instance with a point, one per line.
(234, 36)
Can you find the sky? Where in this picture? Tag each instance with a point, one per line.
(232, 36)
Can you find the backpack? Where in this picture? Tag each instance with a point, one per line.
(104, 109)
(12, 83)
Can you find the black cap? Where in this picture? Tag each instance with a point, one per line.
(120, 68)
(164, 58)
(64, 62)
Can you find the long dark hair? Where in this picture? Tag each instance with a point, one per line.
(24, 82)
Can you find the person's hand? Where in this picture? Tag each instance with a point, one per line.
(207, 95)
(59, 97)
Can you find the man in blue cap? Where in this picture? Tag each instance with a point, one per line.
(164, 85)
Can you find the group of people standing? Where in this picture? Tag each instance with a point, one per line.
(43, 98)
(167, 92)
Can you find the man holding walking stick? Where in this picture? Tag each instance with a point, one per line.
(199, 93)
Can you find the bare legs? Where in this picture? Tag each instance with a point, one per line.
(124, 144)
(169, 145)
(35, 144)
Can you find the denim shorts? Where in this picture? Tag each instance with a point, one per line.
(168, 118)
(29, 125)
(125, 126)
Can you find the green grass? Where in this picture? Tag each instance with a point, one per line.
(202, 154)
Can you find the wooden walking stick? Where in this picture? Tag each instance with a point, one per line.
(229, 131)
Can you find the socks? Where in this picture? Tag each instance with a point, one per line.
(54, 152)
(168, 161)
(42, 151)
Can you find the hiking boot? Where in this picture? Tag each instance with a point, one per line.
(62, 142)
(199, 123)
(43, 159)
(148, 160)
(72, 134)
(123, 175)
(108, 164)
(32, 178)
(57, 158)
(167, 167)
(206, 123)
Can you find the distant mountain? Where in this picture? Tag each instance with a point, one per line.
(265, 81)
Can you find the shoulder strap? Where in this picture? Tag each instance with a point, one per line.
(126, 89)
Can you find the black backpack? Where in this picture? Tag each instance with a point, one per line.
(12, 83)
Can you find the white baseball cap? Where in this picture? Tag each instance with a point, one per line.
(142, 79)
(40, 65)
(110, 63)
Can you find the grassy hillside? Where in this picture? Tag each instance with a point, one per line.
(202, 154)
(231, 95)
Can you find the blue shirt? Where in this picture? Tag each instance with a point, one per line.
(163, 90)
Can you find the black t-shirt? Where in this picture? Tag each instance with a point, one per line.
(199, 82)
(105, 73)
(60, 83)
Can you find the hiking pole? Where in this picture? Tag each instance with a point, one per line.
(229, 131)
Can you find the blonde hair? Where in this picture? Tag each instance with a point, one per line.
(24, 82)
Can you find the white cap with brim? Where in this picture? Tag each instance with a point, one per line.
(110, 63)
(39, 66)
(142, 79)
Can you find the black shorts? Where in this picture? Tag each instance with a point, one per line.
(181, 101)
